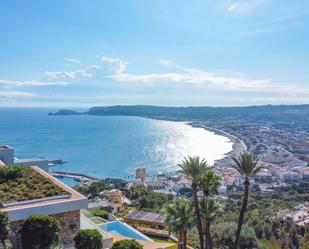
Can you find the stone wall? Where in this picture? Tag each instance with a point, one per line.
(14, 236)
(69, 221)
(70, 224)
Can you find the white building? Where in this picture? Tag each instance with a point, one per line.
(136, 183)
(41, 163)
(7, 156)
(155, 184)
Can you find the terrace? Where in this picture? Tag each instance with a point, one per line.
(156, 220)
(116, 230)
(26, 191)
(36, 190)
(146, 217)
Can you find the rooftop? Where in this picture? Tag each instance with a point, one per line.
(47, 196)
(26, 160)
(27, 185)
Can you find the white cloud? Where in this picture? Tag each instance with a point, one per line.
(233, 7)
(245, 6)
(197, 76)
(168, 63)
(63, 76)
(115, 69)
(109, 65)
(71, 60)
(16, 94)
(24, 83)
(114, 65)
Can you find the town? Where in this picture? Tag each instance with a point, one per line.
(126, 209)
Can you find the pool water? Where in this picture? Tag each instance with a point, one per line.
(124, 230)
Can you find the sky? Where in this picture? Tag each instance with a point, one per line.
(81, 53)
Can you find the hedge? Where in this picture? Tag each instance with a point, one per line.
(40, 231)
(88, 239)
(101, 213)
(127, 244)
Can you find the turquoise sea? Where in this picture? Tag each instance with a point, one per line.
(106, 146)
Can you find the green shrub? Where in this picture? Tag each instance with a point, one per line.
(136, 192)
(94, 188)
(40, 231)
(305, 245)
(88, 239)
(27, 186)
(5, 244)
(224, 236)
(267, 231)
(10, 172)
(127, 244)
(259, 230)
(4, 231)
(100, 213)
(193, 239)
(4, 225)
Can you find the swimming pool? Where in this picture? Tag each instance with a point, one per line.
(124, 230)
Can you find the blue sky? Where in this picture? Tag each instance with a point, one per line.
(73, 53)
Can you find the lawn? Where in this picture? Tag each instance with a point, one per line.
(97, 220)
(172, 247)
(160, 239)
(93, 218)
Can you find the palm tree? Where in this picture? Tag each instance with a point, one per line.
(247, 166)
(193, 167)
(209, 183)
(214, 209)
(180, 216)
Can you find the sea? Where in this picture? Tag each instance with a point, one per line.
(107, 146)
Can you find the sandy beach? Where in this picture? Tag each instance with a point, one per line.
(238, 145)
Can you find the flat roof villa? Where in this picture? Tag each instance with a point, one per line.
(37, 192)
(32, 190)
(7, 157)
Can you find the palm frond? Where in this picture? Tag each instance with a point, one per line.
(247, 165)
(179, 215)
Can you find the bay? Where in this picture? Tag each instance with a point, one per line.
(107, 146)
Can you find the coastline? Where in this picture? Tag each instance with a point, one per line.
(238, 146)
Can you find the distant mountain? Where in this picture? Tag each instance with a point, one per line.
(266, 113)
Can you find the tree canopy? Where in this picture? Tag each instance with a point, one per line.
(127, 244)
(88, 239)
(40, 231)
